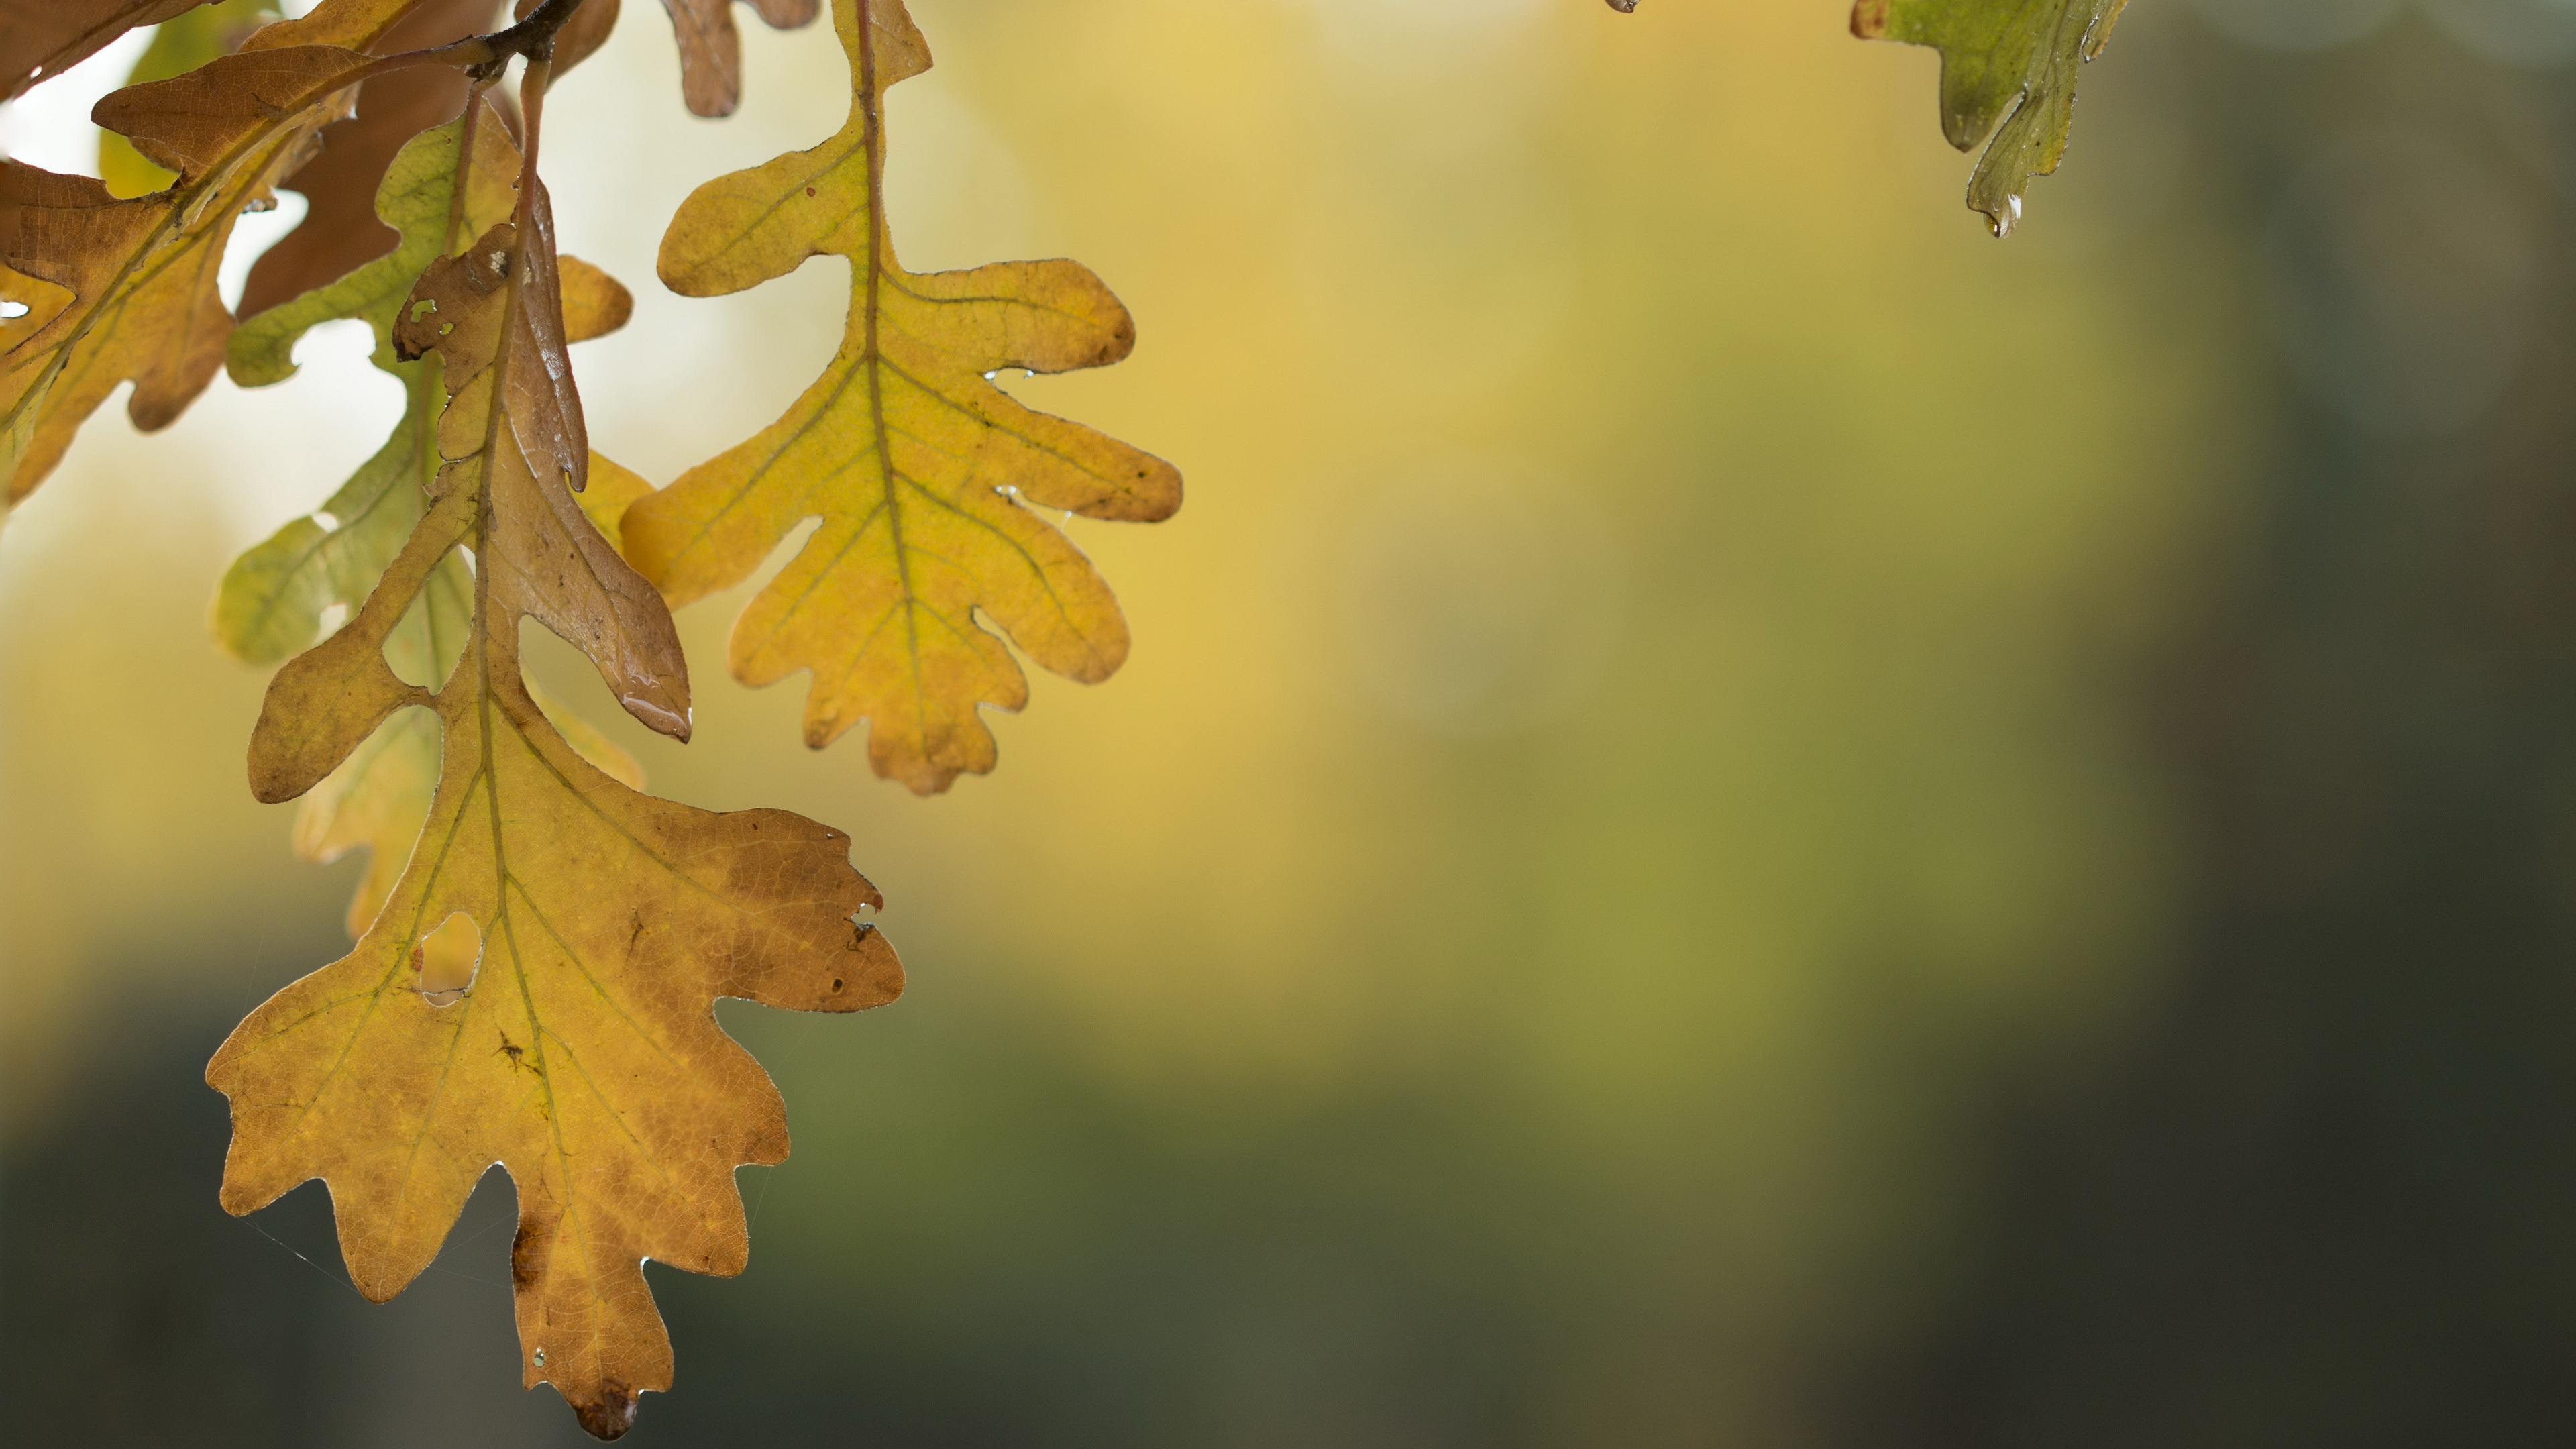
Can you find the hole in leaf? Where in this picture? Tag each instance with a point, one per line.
(445, 960)
(539, 1357)
(325, 519)
(12, 311)
(423, 308)
(334, 614)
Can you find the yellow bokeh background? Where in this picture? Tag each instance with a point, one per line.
(1643, 647)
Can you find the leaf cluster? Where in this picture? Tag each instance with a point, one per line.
(538, 943)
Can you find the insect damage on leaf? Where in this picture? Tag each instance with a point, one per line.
(923, 472)
(565, 1027)
(274, 598)
(130, 288)
(40, 39)
(2007, 68)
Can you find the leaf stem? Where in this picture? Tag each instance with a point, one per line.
(483, 56)
(456, 238)
(532, 107)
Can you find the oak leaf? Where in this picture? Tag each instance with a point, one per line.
(179, 45)
(130, 285)
(926, 476)
(2007, 69)
(539, 989)
(274, 598)
(40, 39)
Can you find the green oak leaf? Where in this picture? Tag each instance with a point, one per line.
(2007, 68)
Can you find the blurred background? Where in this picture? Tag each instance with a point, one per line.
(1740, 817)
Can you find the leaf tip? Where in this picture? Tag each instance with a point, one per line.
(610, 1414)
(654, 716)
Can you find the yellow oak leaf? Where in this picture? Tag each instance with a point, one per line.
(539, 988)
(141, 272)
(926, 476)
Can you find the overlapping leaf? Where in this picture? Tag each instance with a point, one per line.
(340, 230)
(274, 598)
(591, 927)
(921, 470)
(2008, 69)
(119, 290)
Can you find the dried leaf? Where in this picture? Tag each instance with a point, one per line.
(926, 476)
(539, 989)
(273, 600)
(339, 230)
(585, 33)
(142, 272)
(2007, 67)
(40, 39)
(711, 49)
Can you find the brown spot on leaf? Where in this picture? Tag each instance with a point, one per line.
(611, 1414)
